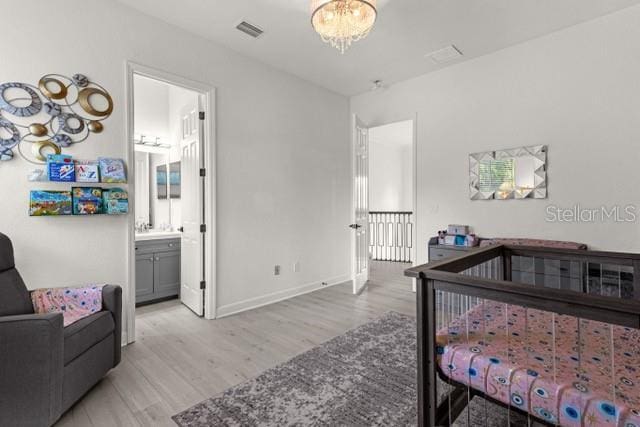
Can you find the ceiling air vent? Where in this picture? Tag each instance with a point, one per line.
(250, 29)
(446, 54)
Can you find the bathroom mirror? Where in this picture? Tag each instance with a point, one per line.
(517, 173)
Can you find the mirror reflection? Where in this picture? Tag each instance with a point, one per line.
(508, 174)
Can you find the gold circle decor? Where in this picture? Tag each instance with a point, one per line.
(84, 99)
(38, 149)
(38, 129)
(61, 93)
(95, 126)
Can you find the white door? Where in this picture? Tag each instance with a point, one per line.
(360, 216)
(191, 205)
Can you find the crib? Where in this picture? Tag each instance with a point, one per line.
(547, 336)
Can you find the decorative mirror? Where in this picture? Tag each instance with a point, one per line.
(517, 173)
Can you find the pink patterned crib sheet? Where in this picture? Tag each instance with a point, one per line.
(73, 303)
(564, 370)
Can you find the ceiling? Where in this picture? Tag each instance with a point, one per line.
(395, 50)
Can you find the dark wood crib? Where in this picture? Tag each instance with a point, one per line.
(551, 336)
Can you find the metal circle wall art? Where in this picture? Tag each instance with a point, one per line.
(57, 113)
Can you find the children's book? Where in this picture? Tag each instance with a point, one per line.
(46, 203)
(87, 171)
(112, 170)
(87, 200)
(116, 201)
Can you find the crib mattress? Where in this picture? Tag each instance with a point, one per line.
(563, 370)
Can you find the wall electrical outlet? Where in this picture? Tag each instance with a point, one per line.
(276, 270)
(296, 267)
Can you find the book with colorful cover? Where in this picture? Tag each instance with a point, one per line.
(50, 203)
(87, 171)
(87, 200)
(116, 201)
(60, 168)
(112, 170)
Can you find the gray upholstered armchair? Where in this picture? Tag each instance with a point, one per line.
(44, 367)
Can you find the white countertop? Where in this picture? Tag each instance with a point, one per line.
(156, 235)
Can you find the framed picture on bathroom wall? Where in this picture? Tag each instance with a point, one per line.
(161, 181)
(174, 180)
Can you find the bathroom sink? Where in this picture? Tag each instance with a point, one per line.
(157, 234)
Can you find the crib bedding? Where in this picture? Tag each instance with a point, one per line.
(563, 370)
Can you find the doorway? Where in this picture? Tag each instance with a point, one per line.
(172, 228)
(385, 217)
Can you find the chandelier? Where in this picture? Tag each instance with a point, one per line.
(342, 22)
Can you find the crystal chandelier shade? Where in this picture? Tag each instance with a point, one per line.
(342, 22)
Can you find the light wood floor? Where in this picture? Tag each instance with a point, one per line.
(179, 359)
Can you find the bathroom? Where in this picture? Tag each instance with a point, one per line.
(162, 127)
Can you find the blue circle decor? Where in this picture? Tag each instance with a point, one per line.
(32, 109)
(516, 399)
(5, 154)
(541, 392)
(52, 109)
(63, 122)
(494, 360)
(62, 140)
(607, 409)
(532, 373)
(440, 350)
(545, 414)
(571, 412)
(80, 80)
(14, 140)
(472, 372)
(475, 350)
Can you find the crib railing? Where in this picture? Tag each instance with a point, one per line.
(559, 286)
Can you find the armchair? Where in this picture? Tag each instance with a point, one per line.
(44, 367)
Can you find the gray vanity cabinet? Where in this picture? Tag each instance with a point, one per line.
(144, 277)
(157, 269)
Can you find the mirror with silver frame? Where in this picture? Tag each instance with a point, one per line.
(517, 173)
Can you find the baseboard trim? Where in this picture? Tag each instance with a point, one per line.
(261, 301)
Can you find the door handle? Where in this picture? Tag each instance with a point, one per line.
(181, 229)
(355, 226)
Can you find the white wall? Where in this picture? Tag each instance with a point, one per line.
(283, 174)
(391, 167)
(575, 90)
(151, 112)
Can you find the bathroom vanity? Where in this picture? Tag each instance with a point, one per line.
(157, 266)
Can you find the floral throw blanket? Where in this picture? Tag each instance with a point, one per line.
(73, 303)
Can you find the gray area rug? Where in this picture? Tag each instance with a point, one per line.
(366, 377)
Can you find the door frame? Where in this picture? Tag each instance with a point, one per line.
(208, 94)
(414, 235)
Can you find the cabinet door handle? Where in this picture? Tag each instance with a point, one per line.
(151, 259)
(157, 258)
(170, 245)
